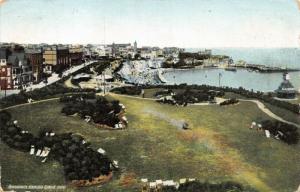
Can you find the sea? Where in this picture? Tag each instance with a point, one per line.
(266, 82)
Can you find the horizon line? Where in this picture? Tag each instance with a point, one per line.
(192, 47)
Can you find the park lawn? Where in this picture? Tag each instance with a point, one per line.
(218, 147)
(281, 112)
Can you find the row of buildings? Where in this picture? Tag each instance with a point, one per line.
(130, 51)
(22, 65)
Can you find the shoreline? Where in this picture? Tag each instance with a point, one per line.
(251, 67)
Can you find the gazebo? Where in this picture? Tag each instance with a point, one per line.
(286, 90)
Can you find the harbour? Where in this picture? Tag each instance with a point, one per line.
(250, 80)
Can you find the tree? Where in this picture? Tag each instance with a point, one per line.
(4, 117)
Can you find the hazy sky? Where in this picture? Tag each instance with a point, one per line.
(184, 23)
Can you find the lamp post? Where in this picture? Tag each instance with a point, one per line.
(103, 79)
(5, 87)
(220, 75)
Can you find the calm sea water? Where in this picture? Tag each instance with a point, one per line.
(279, 57)
(287, 57)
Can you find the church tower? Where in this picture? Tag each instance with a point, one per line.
(135, 47)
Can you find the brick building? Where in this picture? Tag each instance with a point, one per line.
(35, 58)
(55, 57)
(6, 81)
(21, 69)
(75, 55)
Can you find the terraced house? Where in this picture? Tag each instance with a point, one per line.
(35, 58)
(5, 71)
(54, 57)
(16, 70)
(21, 69)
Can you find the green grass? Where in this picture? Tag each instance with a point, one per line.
(218, 147)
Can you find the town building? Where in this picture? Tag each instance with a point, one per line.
(6, 82)
(35, 58)
(135, 47)
(286, 90)
(205, 52)
(99, 51)
(21, 69)
(172, 51)
(75, 55)
(119, 49)
(55, 57)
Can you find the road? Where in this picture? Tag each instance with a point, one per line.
(54, 77)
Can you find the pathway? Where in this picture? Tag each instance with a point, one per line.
(34, 102)
(259, 104)
(262, 107)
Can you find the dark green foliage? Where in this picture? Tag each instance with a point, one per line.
(79, 160)
(12, 135)
(229, 102)
(101, 67)
(134, 90)
(164, 92)
(77, 81)
(295, 108)
(196, 186)
(185, 55)
(169, 189)
(4, 117)
(101, 111)
(189, 96)
(283, 131)
(39, 94)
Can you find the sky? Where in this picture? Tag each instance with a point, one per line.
(182, 23)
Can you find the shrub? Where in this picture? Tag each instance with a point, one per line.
(133, 90)
(229, 102)
(101, 111)
(286, 132)
(39, 94)
(79, 160)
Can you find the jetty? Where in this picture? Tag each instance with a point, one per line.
(264, 68)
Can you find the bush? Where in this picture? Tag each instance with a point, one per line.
(295, 108)
(4, 117)
(77, 81)
(39, 94)
(75, 97)
(283, 131)
(79, 160)
(133, 90)
(188, 96)
(101, 111)
(101, 67)
(196, 186)
(229, 102)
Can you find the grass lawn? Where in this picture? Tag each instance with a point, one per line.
(218, 147)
